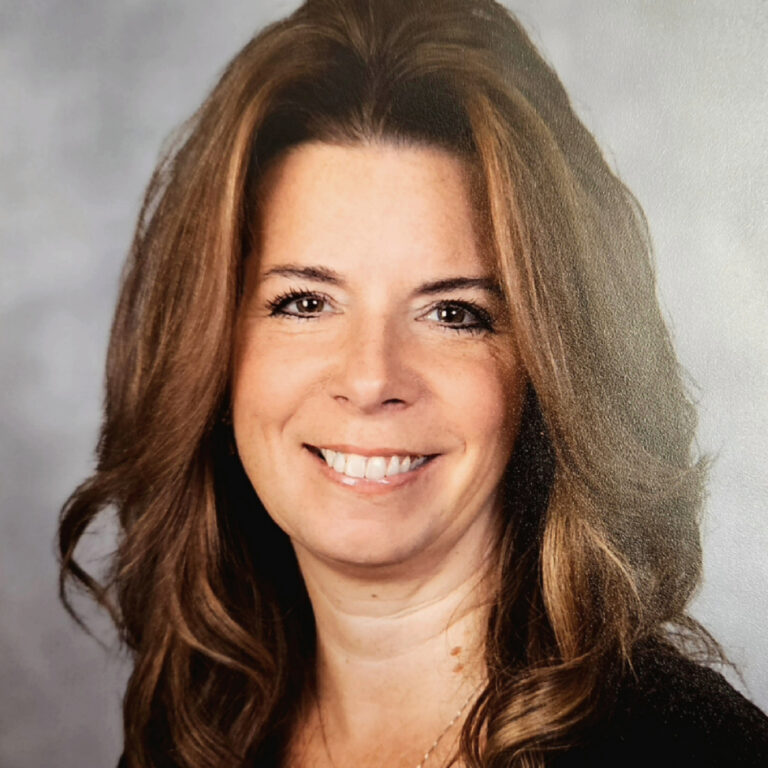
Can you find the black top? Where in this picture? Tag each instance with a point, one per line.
(672, 713)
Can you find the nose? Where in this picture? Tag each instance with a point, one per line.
(372, 370)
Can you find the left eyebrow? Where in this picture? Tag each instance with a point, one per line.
(323, 274)
(457, 283)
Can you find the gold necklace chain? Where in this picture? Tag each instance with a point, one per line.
(428, 753)
(450, 725)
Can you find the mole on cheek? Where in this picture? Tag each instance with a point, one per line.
(455, 651)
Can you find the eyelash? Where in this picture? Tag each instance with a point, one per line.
(483, 324)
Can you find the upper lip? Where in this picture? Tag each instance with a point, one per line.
(356, 449)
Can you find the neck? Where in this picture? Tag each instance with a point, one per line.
(390, 639)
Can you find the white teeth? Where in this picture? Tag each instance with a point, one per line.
(370, 467)
(355, 465)
(375, 468)
(340, 462)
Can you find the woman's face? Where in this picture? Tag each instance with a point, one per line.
(366, 343)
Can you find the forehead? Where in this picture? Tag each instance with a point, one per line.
(335, 201)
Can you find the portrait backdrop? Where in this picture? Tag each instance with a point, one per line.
(675, 93)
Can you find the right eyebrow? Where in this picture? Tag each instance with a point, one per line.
(319, 274)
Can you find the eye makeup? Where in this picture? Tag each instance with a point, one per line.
(482, 323)
(310, 304)
(278, 305)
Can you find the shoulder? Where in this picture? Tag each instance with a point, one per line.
(671, 711)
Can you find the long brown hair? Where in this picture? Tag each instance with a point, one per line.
(600, 549)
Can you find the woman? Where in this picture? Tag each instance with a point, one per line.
(394, 429)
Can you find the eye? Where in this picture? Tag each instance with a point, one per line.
(462, 316)
(301, 304)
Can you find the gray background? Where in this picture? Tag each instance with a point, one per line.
(675, 91)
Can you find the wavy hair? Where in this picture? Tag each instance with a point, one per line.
(599, 550)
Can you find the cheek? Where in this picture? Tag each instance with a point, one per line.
(488, 398)
(271, 378)
(259, 404)
(270, 385)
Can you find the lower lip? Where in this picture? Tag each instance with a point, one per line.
(372, 487)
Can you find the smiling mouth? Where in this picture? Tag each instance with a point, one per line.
(352, 467)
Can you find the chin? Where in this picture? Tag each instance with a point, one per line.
(363, 547)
